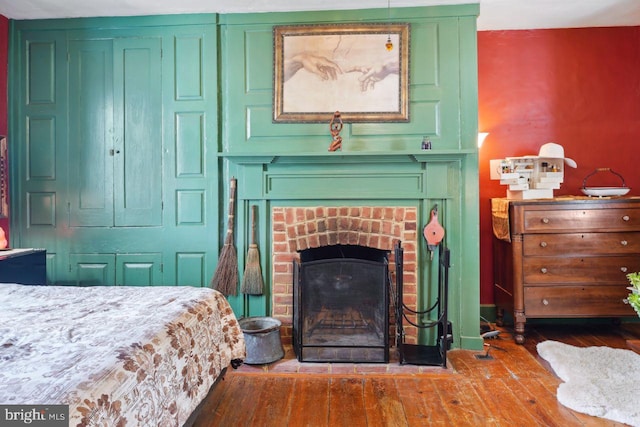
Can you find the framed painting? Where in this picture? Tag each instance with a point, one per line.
(360, 70)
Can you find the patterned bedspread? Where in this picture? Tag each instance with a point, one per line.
(117, 355)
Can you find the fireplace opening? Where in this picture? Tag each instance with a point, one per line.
(341, 304)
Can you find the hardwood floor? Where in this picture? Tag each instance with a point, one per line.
(512, 387)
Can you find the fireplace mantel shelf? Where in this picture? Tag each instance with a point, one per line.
(344, 156)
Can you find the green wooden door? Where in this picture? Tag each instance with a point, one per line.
(115, 151)
(91, 136)
(138, 132)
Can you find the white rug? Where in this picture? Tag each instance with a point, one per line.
(599, 381)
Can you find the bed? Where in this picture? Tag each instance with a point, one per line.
(116, 355)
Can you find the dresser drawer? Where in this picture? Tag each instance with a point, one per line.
(563, 220)
(576, 244)
(576, 301)
(587, 270)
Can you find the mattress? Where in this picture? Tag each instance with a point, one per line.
(116, 355)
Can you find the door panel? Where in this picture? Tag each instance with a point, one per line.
(139, 269)
(90, 133)
(142, 269)
(138, 148)
(92, 269)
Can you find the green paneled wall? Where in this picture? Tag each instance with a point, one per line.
(114, 124)
(210, 118)
(287, 164)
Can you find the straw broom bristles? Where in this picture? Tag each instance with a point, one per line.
(252, 283)
(225, 278)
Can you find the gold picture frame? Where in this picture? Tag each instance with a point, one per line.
(321, 69)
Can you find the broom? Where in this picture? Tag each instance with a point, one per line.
(225, 279)
(252, 283)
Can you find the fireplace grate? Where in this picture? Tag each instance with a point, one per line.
(333, 319)
(341, 305)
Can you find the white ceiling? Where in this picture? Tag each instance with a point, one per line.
(494, 14)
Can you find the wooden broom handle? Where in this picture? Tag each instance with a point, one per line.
(232, 203)
(254, 208)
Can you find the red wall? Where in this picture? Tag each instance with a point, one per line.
(4, 38)
(577, 87)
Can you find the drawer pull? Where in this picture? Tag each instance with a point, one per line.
(543, 244)
(624, 243)
(545, 220)
(624, 269)
(543, 270)
(625, 218)
(545, 302)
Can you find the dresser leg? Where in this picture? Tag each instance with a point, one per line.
(499, 316)
(519, 321)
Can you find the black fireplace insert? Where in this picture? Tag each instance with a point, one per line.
(341, 304)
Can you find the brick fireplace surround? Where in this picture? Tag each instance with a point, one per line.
(299, 228)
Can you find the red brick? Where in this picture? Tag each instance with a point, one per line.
(283, 299)
(279, 288)
(309, 214)
(343, 223)
(278, 215)
(314, 241)
(333, 238)
(280, 267)
(278, 310)
(332, 224)
(388, 213)
(302, 244)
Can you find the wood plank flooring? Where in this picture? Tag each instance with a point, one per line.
(513, 387)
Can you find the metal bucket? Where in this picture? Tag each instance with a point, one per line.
(262, 339)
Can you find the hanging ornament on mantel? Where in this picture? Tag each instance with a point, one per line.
(335, 126)
(389, 44)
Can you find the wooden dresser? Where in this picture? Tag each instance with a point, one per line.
(567, 257)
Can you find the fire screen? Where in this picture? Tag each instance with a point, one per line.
(341, 305)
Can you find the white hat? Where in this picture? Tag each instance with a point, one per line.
(556, 151)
